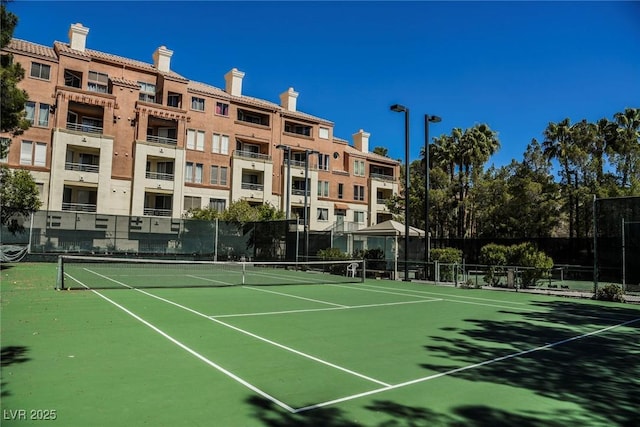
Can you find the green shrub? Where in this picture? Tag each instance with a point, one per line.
(495, 256)
(332, 253)
(521, 255)
(610, 292)
(447, 256)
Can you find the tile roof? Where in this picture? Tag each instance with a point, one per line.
(61, 47)
(373, 156)
(24, 46)
(124, 82)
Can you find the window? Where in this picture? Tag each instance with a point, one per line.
(43, 115)
(195, 139)
(198, 177)
(72, 79)
(323, 214)
(192, 202)
(40, 71)
(147, 92)
(188, 172)
(33, 153)
(217, 204)
(323, 133)
(192, 174)
(174, 100)
(358, 167)
(358, 192)
(323, 161)
(218, 175)
(98, 82)
(222, 109)
(30, 108)
(358, 217)
(197, 103)
(340, 191)
(220, 144)
(323, 188)
(37, 116)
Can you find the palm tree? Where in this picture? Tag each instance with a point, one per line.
(558, 145)
(626, 146)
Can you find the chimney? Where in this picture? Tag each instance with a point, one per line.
(233, 81)
(288, 99)
(361, 141)
(162, 59)
(78, 37)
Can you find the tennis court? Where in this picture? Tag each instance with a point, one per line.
(320, 348)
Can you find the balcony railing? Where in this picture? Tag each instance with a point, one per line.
(84, 128)
(157, 212)
(382, 201)
(297, 192)
(254, 187)
(162, 140)
(381, 176)
(81, 167)
(159, 175)
(79, 207)
(251, 155)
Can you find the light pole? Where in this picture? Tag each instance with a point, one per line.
(287, 151)
(427, 168)
(306, 195)
(402, 109)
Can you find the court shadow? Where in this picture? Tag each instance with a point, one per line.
(272, 415)
(560, 363)
(10, 355)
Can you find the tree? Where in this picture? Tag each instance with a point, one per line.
(381, 151)
(20, 197)
(625, 147)
(12, 98)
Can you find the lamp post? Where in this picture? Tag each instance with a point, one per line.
(427, 168)
(402, 109)
(287, 202)
(306, 194)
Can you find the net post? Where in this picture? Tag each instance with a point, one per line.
(60, 274)
(364, 270)
(244, 272)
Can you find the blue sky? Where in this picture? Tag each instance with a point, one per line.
(513, 65)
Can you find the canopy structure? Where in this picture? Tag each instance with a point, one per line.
(390, 228)
(393, 229)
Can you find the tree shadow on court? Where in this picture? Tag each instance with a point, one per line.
(597, 372)
(10, 355)
(394, 414)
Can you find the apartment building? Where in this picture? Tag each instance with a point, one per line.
(114, 135)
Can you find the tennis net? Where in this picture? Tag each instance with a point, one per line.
(87, 272)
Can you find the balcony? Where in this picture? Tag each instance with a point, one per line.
(157, 212)
(81, 167)
(79, 207)
(86, 128)
(253, 187)
(159, 175)
(251, 155)
(381, 176)
(162, 140)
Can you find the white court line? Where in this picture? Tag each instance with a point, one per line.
(209, 280)
(443, 295)
(465, 368)
(190, 350)
(258, 337)
(295, 296)
(352, 307)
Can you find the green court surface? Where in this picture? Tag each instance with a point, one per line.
(377, 353)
